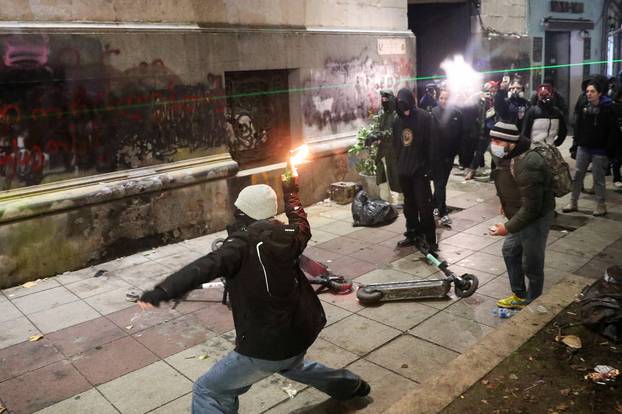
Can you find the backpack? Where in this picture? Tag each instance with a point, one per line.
(601, 305)
(560, 171)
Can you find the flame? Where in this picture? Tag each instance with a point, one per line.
(298, 155)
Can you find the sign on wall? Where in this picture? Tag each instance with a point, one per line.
(390, 46)
(566, 7)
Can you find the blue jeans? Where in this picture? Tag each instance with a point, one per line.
(600, 163)
(218, 389)
(523, 253)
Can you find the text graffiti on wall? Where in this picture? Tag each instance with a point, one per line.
(65, 111)
(346, 90)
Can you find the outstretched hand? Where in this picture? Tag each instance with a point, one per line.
(152, 298)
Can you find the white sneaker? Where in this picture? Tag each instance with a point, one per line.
(445, 221)
(435, 212)
(600, 210)
(617, 184)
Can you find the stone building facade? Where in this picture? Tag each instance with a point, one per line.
(129, 124)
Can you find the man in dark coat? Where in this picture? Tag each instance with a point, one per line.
(276, 313)
(525, 188)
(413, 134)
(596, 136)
(448, 122)
(510, 103)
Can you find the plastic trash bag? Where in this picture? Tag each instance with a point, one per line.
(371, 212)
(601, 305)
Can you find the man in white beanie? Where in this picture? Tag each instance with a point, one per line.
(276, 313)
(524, 186)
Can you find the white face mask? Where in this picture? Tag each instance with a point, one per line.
(497, 150)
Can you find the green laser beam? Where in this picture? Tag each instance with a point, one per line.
(153, 104)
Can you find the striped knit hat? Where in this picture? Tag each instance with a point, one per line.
(504, 132)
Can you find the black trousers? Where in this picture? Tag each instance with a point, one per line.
(440, 177)
(418, 207)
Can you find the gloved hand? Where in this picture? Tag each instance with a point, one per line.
(154, 297)
(291, 185)
(372, 137)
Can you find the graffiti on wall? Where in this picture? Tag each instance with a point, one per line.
(258, 115)
(346, 90)
(66, 111)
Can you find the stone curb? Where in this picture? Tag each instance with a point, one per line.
(439, 391)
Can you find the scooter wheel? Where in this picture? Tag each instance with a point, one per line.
(217, 244)
(468, 288)
(340, 288)
(368, 295)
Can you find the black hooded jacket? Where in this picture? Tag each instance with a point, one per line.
(412, 136)
(276, 313)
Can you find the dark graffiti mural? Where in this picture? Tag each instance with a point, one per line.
(66, 111)
(258, 115)
(348, 90)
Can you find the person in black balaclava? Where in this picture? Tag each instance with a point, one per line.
(413, 134)
(386, 158)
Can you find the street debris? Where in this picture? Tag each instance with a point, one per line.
(128, 327)
(100, 272)
(513, 377)
(571, 341)
(541, 309)
(479, 200)
(504, 313)
(603, 374)
(28, 285)
(2, 409)
(35, 338)
(290, 391)
(404, 365)
(204, 356)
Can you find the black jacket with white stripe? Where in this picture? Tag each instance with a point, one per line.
(545, 124)
(276, 313)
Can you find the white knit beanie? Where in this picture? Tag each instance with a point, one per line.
(257, 201)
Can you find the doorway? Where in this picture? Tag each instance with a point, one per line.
(557, 52)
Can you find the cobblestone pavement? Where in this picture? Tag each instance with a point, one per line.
(101, 354)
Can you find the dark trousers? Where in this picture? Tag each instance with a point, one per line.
(440, 176)
(418, 207)
(466, 150)
(480, 151)
(615, 165)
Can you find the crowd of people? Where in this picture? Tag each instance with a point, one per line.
(277, 315)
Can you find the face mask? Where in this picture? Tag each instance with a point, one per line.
(386, 105)
(497, 150)
(402, 106)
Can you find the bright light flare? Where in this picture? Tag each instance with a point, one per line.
(463, 82)
(297, 156)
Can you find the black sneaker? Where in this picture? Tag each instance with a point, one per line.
(407, 242)
(363, 390)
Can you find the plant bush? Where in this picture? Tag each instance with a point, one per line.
(366, 163)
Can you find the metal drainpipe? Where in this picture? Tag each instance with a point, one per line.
(604, 36)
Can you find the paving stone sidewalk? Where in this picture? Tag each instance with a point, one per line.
(101, 354)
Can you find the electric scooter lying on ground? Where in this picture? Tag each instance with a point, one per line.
(464, 286)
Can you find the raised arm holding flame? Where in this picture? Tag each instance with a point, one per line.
(296, 156)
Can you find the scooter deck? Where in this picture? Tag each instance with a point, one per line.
(412, 289)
